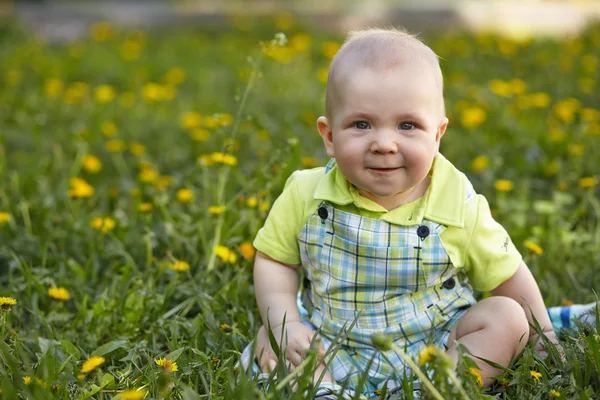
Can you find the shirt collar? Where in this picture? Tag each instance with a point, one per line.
(444, 201)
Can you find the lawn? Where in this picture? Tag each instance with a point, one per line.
(136, 168)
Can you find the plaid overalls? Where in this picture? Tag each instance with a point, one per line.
(383, 277)
(387, 278)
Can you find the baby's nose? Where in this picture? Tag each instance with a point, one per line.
(385, 141)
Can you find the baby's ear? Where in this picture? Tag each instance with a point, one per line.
(326, 134)
(441, 129)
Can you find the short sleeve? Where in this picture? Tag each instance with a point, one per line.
(278, 238)
(491, 257)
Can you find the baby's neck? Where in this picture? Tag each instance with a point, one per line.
(392, 202)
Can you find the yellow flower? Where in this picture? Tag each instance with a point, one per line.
(4, 218)
(224, 158)
(137, 149)
(500, 88)
(427, 354)
(566, 109)
(80, 188)
(130, 50)
(247, 250)
(252, 202)
(191, 120)
(53, 87)
(330, 49)
(264, 206)
(225, 254)
(148, 175)
(101, 31)
(7, 302)
(167, 365)
(540, 99)
(590, 114)
(200, 135)
(163, 182)
(517, 86)
(205, 159)
(216, 210)
(91, 364)
(179, 266)
(92, 164)
(109, 129)
(472, 117)
(104, 94)
(76, 92)
(133, 394)
(533, 247)
(478, 378)
(503, 185)
(309, 162)
(175, 76)
(152, 91)
(145, 207)
(322, 75)
(27, 380)
(588, 182)
(104, 225)
(59, 293)
(225, 327)
(480, 163)
(576, 149)
(115, 146)
(552, 168)
(184, 195)
(535, 375)
(554, 394)
(300, 42)
(556, 135)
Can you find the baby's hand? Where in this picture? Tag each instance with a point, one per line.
(296, 343)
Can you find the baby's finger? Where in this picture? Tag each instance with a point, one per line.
(294, 357)
(272, 364)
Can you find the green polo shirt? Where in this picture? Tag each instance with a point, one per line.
(473, 239)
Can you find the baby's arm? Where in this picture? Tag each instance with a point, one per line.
(523, 288)
(276, 287)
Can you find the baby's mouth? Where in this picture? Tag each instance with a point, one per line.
(383, 170)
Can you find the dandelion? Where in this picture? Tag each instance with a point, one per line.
(533, 247)
(556, 135)
(322, 75)
(104, 94)
(179, 266)
(535, 375)
(92, 164)
(264, 206)
(4, 218)
(145, 207)
(540, 100)
(163, 181)
(252, 202)
(554, 394)
(478, 378)
(148, 175)
(330, 49)
(137, 149)
(221, 158)
(109, 129)
(175, 76)
(552, 168)
(104, 225)
(133, 394)
(27, 380)
(59, 293)
(184, 195)
(80, 188)
(427, 354)
(248, 251)
(576, 149)
(590, 114)
(480, 163)
(41, 383)
(500, 88)
(191, 120)
(588, 182)
(115, 146)
(216, 210)
(6, 303)
(205, 159)
(152, 91)
(166, 364)
(472, 117)
(91, 364)
(300, 42)
(200, 135)
(309, 162)
(53, 87)
(225, 254)
(130, 50)
(225, 327)
(503, 185)
(101, 31)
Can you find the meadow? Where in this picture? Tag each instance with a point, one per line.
(137, 166)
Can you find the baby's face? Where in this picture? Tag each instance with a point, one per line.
(385, 131)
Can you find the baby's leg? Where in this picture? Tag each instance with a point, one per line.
(267, 360)
(496, 329)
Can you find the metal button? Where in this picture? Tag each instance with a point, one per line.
(423, 231)
(323, 213)
(449, 284)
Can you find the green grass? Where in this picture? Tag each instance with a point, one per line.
(509, 109)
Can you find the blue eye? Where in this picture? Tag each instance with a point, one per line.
(362, 125)
(407, 126)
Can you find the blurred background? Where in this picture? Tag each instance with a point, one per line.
(61, 20)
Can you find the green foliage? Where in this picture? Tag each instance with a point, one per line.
(182, 140)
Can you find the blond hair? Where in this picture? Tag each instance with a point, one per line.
(381, 49)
